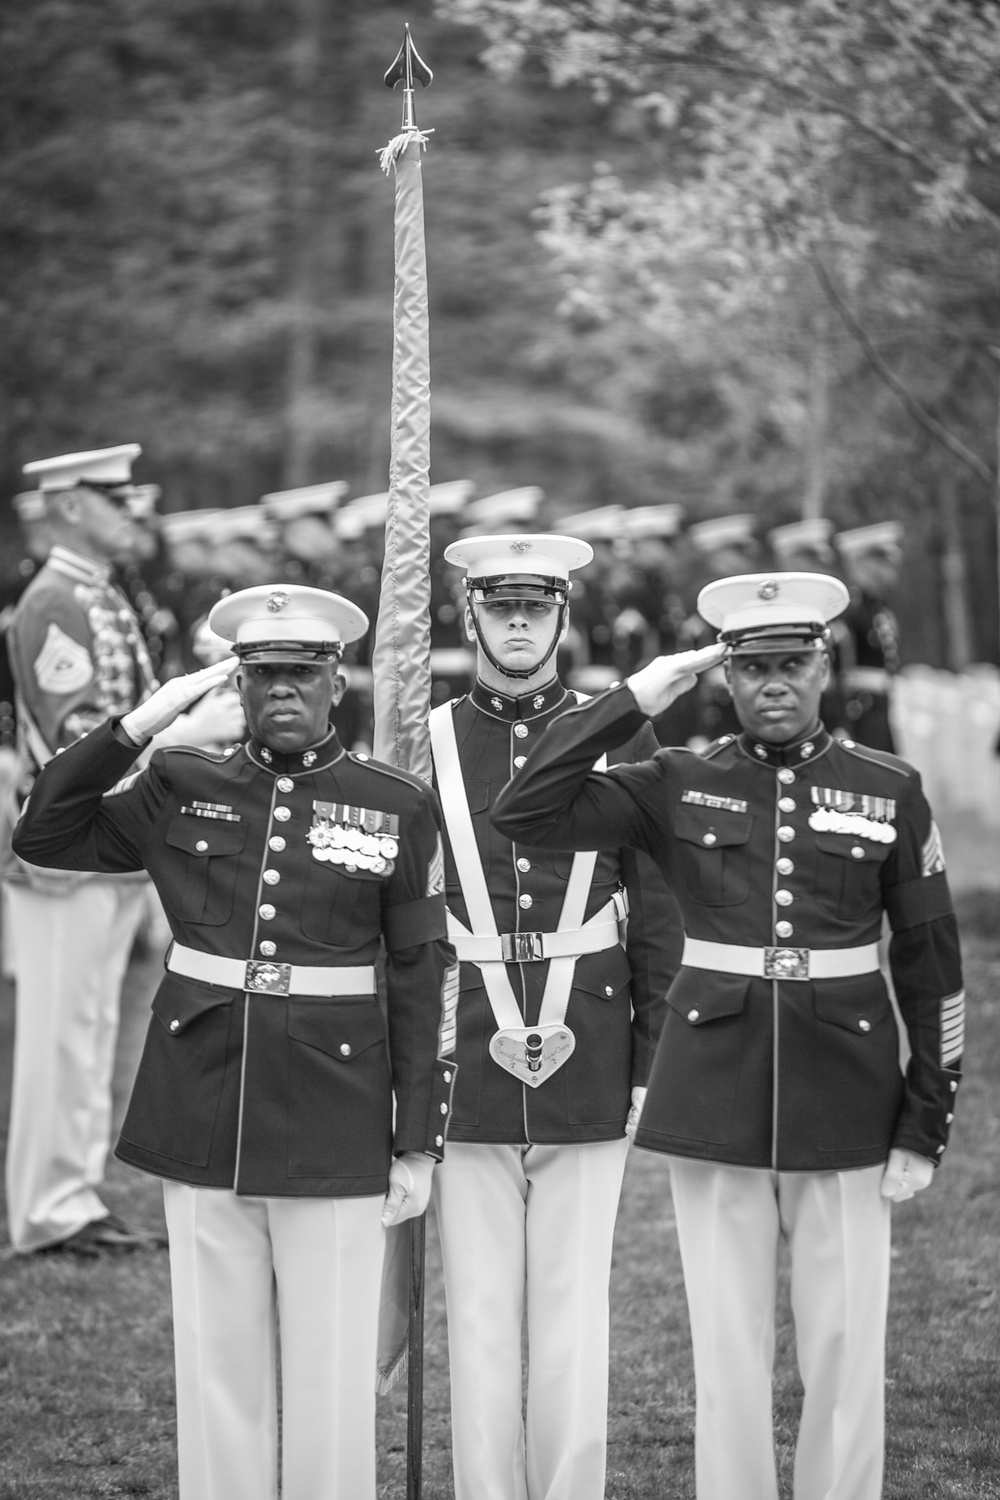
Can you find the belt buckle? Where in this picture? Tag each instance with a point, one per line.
(786, 963)
(267, 978)
(521, 947)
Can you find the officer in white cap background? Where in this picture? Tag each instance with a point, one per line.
(776, 1092)
(289, 1117)
(867, 633)
(78, 658)
(556, 1023)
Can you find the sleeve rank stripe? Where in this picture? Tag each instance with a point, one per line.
(952, 1028)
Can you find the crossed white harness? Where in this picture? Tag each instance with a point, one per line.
(530, 1053)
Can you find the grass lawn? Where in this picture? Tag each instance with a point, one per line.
(86, 1381)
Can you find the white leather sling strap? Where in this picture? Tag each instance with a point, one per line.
(533, 1053)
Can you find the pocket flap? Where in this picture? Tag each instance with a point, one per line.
(711, 827)
(845, 845)
(605, 974)
(858, 1004)
(203, 837)
(340, 1029)
(179, 1002)
(699, 996)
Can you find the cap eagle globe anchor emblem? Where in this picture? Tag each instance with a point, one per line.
(520, 546)
(768, 590)
(277, 601)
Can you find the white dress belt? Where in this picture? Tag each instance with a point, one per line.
(264, 977)
(533, 947)
(780, 963)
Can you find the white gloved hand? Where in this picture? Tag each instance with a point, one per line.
(656, 686)
(905, 1173)
(409, 1187)
(635, 1113)
(216, 720)
(172, 699)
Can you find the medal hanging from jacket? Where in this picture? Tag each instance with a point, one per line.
(530, 1053)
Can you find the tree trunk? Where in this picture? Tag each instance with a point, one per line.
(817, 442)
(958, 626)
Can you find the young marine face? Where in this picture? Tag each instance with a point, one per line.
(517, 631)
(776, 695)
(287, 704)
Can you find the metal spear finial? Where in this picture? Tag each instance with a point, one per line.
(408, 66)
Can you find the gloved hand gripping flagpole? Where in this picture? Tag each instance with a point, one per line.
(401, 656)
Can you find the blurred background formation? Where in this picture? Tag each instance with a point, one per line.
(716, 290)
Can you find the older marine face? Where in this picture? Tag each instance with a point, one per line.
(287, 704)
(776, 694)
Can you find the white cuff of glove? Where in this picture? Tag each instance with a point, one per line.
(906, 1173)
(409, 1188)
(163, 706)
(635, 1113)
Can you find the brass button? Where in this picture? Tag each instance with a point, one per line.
(267, 912)
(444, 1109)
(286, 784)
(268, 948)
(864, 1025)
(693, 1015)
(948, 1119)
(783, 929)
(857, 852)
(709, 839)
(521, 730)
(784, 866)
(519, 761)
(524, 865)
(271, 877)
(786, 804)
(786, 776)
(953, 1086)
(277, 843)
(439, 1140)
(784, 898)
(609, 989)
(175, 1026)
(524, 902)
(940, 1149)
(786, 834)
(201, 846)
(447, 1077)
(847, 744)
(282, 814)
(345, 1049)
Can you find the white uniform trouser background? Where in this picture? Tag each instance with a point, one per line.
(70, 954)
(238, 1268)
(528, 1228)
(729, 1220)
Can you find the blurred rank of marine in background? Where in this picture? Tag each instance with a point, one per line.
(867, 634)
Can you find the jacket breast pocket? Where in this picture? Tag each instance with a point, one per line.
(848, 874)
(339, 1089)
(341, 908)
(205, 866)
(713, 854)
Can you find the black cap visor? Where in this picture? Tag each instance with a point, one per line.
(765, 639)
(310, 652)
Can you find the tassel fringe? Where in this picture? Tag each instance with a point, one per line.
(389, 155)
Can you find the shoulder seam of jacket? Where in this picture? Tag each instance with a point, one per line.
(879, 758)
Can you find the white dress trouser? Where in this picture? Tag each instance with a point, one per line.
(70, 954)
(528, 1228)
(729, 1221)
(239, 1268)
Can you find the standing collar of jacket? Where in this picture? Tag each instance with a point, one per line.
(531, 706)
(794, 753)
(74, 565)
(314, 758)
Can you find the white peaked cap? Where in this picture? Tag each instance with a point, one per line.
(813, 534)
(653, 520)
(721, 531)
(101, 466)
(309, 500)
(508, 508)
(754, 610)
(540, 555)
(274, 613)
(602, 524)
(883, 536)
(187, 525)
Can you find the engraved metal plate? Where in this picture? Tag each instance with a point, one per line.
(521, 947)
(532, 1053)
(786, 963)
(267, 978)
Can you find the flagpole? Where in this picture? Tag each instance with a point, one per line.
(401, 653)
